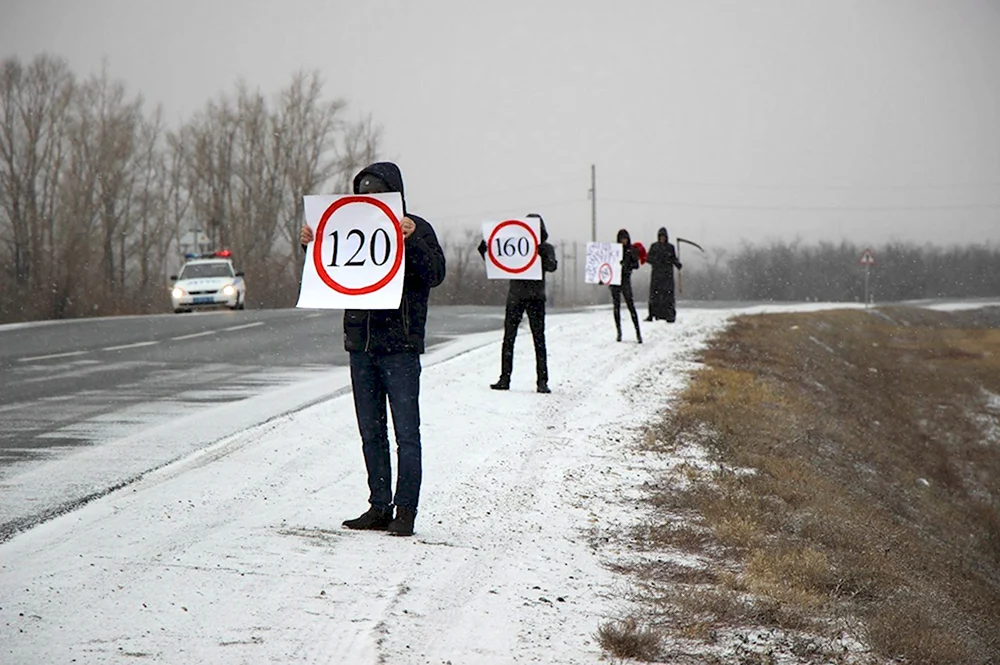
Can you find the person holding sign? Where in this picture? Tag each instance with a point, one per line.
(385, 347)
(526, 295)
(630, 262)
(662, 260)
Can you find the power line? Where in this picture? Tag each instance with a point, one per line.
(499, 211)
(511, 190)
(811, 208)
(824, 186)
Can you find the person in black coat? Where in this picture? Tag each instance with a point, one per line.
(662, 260)
(525, 295)
(385, 348)
(630, 262)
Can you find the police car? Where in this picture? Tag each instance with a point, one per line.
(208, 280)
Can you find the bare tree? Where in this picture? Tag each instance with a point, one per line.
(306, 127)
(148, 252)
(111, 138)
(359, 147)
(95, 193)
(250, 162)
(34, 104)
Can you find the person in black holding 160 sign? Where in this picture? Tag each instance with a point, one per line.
(526, 295)
(630, 262)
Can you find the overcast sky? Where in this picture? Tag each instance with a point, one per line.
(870, 120)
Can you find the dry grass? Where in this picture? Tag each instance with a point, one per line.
(874, 496)
(628, 639)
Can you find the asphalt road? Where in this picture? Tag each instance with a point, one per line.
(58, 380)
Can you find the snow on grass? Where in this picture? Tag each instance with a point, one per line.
(235, 553)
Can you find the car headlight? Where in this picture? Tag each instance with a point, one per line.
(229, 290)
(177, 292)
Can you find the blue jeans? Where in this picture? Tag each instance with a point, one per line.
(396, 377)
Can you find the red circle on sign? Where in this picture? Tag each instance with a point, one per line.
(489, 246)
(318, 246)
(600, 269)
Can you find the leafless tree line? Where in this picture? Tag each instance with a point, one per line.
(831, 272)
(779, 271)
(96, 191)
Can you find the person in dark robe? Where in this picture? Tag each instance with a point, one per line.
(662, 260)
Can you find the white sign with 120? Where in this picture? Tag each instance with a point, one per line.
(357, 258)
(512, 249)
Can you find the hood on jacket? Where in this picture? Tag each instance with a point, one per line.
(388, 173)
(662, 232)
(623, 233)
(541, 225)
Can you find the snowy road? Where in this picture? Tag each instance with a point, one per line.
(235, 554)
(132, 384)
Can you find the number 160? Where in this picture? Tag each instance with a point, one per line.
(511, 247)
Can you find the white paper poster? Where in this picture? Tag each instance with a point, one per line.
(357, 257)
(512, 249)
(604, 263)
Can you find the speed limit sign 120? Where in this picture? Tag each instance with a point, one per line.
(512, 249)
(356, 259)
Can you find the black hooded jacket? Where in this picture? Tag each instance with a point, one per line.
(382, 331)
(630, 258)
(531, 289)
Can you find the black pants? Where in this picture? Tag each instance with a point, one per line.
(616, 297)
(395, 378)
(536, 320)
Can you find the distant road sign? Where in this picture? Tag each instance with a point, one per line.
(867, 258)
(192, 238)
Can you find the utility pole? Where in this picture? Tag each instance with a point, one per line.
(867, 260)
(593, 203)
(576, 271)
(562, 276)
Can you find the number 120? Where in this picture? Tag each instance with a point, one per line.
(372, 248)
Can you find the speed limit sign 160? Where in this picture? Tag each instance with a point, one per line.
(512, 249)
(356, 260)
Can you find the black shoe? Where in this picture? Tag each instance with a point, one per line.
(638, 338)
(403, 524)
(648, 318)
(502, 384)
(543, 387)
(619, 336)
(374, 519)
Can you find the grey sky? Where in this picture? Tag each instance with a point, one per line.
(870, 120)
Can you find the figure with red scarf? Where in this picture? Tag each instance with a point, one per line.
(630, 262)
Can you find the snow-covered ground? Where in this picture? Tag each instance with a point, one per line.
(235, 553)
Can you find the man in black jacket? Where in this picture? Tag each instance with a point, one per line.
(385, 348)
(526, 295)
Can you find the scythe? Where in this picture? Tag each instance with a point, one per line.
(680, 276)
